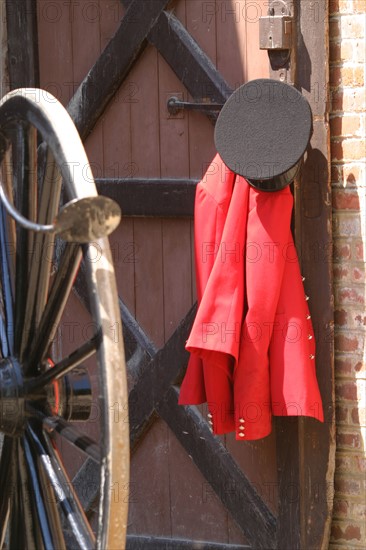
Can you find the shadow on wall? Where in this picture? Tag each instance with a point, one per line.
(350, 323)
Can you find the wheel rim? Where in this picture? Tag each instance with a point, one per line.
(44, 165)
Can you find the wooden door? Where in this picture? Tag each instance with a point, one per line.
(116, 65)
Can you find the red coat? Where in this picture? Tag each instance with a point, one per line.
(252, 342)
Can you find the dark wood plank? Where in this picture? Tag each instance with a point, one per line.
(113, 65)
(135, 542)
(149, 501)
(219, 468)
(203, 30)
(151, 197)
(193, 501)
(289, 488)
(256, 60)
(56, 61)
(86, 45)
(162, 371)
(23, 66)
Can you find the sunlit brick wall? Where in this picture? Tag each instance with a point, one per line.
(348, 151)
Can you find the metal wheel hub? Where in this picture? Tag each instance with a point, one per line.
(69, 398)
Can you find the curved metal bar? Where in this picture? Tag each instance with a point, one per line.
(24, 222)
(6, 284)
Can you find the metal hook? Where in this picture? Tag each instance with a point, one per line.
(80, 220)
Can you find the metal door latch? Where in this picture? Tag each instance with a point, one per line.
(275, 29)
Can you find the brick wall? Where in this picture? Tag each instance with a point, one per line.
(348, 150)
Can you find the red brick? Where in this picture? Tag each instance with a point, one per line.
(352, 26)
(341, 414)
(346, 343)
(346, 6)
(347, 275)
(335, 77)
(340, 273)
(359, 6)
(346, 199)
(358, 511)
(358, 274)
(349, 440)
(348, 174)
(347, 224)
(347, 76)
(348, 486)
(358, 416)
(336, 172)
(342, 251)
(359, 51)
(348, 366)
(361, 320)
(335, 52)
(350, 464)
(346, 250)
(361, 463)
(348, 100)
(334, 28)
(348, 149)
(340, 317)
(345, 125)
(347, 390)
(346, 532)
(341, 508)
(354, 295)
(359, 251)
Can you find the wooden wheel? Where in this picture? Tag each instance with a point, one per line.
(47, 185)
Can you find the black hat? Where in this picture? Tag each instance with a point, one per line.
(263, 131)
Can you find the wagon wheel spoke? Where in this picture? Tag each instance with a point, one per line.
(38, 504)
(16, 535)
(57, 300)
(6, 483)
(51, 179)
(25, 191)
(52, 509)
(73, 435)
(66, 365)
(31, 529)
(42, 246)
(61, 484)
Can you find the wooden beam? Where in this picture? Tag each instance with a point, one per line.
(223, 474)
(113, 65)
(151, 197)
(139, 542)
(23, 67)
(187, 59)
